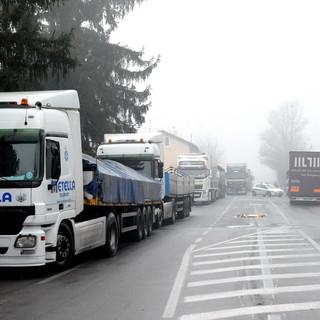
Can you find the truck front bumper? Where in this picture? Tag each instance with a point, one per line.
(11, 256)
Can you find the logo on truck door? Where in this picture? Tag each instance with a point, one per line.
(63, 187)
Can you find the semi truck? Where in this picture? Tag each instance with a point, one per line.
(197, 165)
(304, 176)
(145, 154)
(56, 202)
(237, 178)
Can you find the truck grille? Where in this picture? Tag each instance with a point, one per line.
(12, 218)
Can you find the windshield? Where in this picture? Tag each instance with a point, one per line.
(194, 173)
(142, 166)
(20, 154)
(236, 173)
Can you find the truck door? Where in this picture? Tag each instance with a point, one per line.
(59, 179)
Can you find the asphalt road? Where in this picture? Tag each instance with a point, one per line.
(241, 257)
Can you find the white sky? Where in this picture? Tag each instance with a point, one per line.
(225, 64)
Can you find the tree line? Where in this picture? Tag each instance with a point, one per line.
(65, 44)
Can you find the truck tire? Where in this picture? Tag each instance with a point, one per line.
(269, 194)
(159, 221)
(186, 208)
(172, 219)
(145, 222)
(112, 236)
(65, 247)
(150, 221)
(137, 234)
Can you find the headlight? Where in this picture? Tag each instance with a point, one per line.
(26, 241)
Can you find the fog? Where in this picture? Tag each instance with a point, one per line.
(224, 65)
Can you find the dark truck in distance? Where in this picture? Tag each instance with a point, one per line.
(237, 182)
(304, 176)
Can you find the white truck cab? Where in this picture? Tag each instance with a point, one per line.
(40, 173)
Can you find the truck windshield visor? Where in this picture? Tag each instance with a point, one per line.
(20, 154)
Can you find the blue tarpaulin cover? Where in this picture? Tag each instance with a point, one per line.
(115, 183)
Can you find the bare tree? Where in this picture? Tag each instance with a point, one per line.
(208, 143)
(285, 133)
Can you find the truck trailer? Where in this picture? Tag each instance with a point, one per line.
(304, 176)
(145, 154)
(55, 202)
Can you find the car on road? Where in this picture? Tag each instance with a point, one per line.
(267, 189)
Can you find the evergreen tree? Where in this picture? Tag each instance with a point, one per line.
(108, 75)
(26, 54)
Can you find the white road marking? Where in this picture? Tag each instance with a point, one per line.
(59, 275)
(230, 241)
(297, 244)
(267, 241)
(265, 260)
(251, 251)
(277, 308)
(177, 286)
(257, 266)
(253, 278)
(249, 292)
(276, 236)
(288, 256)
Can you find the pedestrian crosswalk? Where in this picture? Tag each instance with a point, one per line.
(270, 274)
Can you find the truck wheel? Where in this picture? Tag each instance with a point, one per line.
(150, 221)
(186, 208)
(189, 207)
(137, 234)
(112, 236)
(145, 222)
(65, 247)
(159, 221)
(269, 194)
(172, 219)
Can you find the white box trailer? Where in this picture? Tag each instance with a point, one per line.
(304, 176)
